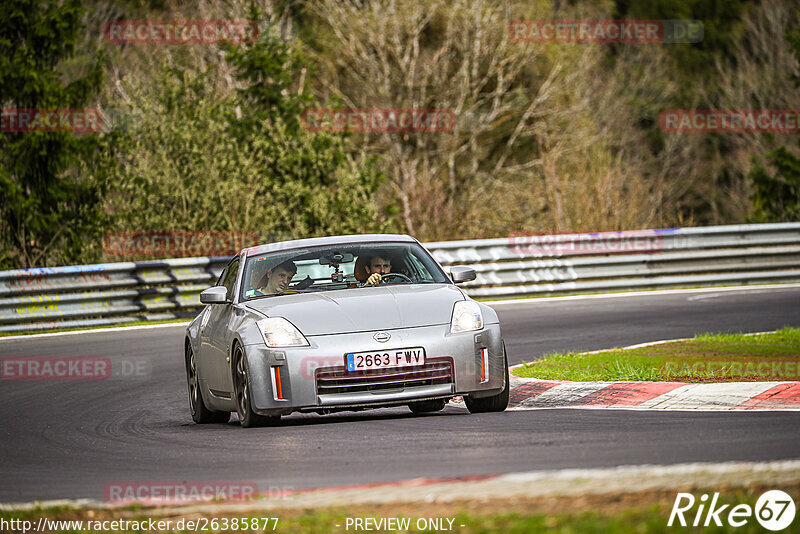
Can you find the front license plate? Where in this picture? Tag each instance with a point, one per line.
(385, 359)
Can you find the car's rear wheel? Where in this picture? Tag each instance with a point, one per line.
(435, 405)
(241, 385)
(495, 403)
(200, 413)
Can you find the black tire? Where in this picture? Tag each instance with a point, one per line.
(495, 403)
(435, 405)
(241, 386)
(200, 413)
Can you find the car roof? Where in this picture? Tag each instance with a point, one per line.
(330, 240)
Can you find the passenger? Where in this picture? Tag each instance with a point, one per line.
(277, 279)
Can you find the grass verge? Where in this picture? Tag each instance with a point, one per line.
(641, 512)
(706, 358)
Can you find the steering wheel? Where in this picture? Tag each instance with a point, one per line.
(395, 275)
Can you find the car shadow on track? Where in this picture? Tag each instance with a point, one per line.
(383, 414)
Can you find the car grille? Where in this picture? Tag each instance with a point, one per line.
(338, 380)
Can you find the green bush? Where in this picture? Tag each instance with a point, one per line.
(188, 164)
(51, 183)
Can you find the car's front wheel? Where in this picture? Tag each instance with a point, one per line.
(200, 413)
(495, 403)
(241, 384)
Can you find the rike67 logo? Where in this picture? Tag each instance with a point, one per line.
(774, 510)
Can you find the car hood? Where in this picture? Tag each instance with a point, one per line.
(364, 309)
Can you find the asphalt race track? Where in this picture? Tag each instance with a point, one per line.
(68, 439)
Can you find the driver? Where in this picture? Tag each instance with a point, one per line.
(376, 267)
(278, 279)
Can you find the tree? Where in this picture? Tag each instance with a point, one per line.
(543, 139)
(312, 182)
(777, 197)
(50, 210)
(273, 75)
(186, 168)
(196, 159)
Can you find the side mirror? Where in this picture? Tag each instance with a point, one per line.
(214, 295)
(460, 273)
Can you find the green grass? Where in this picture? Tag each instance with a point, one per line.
(642, 513)
(706, 358)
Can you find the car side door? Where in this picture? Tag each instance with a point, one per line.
(210, 315)
(220, 336)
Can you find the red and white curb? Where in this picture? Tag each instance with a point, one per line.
(564, 482)
(532, 393)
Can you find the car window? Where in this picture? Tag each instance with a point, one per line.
(222, 275)
(313, 269)
(230, 278)
(419, 268)
(339, 267)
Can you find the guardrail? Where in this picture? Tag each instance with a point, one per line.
(110, 293)
(608, 261)
(116, 293)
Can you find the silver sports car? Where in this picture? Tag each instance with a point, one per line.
(308, 326)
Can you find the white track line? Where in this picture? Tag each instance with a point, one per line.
(640, 294)
(93, 331)
(487, 302)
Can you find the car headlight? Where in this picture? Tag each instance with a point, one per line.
(466, 317)
(278, 333)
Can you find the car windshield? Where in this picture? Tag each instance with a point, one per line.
(337, 267)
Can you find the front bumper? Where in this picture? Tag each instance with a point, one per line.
(288, 380)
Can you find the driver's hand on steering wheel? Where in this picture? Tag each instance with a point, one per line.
(374, 279)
